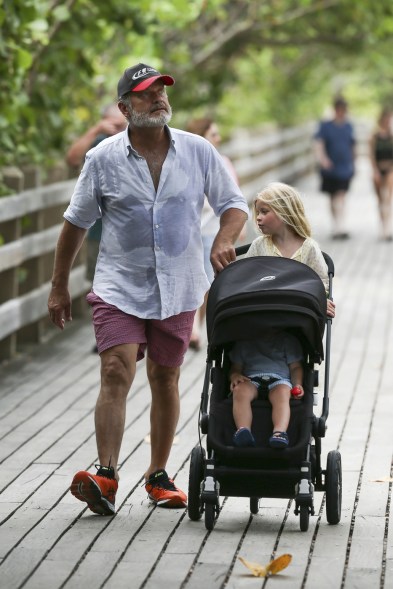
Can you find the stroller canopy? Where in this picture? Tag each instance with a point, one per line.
(253, 294)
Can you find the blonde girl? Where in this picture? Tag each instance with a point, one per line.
(286, 232)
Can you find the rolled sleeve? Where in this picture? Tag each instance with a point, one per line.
(220, 188)
(84, 208)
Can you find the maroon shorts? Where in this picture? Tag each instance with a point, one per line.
(166, 339)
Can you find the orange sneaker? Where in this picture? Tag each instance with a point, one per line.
(98, 491)
(163, 492)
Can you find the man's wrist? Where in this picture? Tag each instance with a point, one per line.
(59, 283)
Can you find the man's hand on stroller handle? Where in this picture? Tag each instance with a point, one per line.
(223, 249)
(222, 254)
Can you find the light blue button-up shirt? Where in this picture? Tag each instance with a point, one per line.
(150, 262)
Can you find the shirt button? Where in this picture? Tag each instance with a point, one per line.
(158, 247)
(157, 226)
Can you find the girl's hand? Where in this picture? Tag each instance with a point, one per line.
(331, 308)
(297, 391)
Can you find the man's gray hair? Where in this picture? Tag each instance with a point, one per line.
(126, 99)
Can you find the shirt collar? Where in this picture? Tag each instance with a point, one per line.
(127, 143)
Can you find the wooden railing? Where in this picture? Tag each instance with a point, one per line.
(30, 223)
(266, 155)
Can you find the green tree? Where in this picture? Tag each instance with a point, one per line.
(245, 60)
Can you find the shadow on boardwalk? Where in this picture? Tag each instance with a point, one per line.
(47, 401)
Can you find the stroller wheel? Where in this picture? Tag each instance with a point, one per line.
(254, 505)
(195, 507)
(304, 517)
(210, 516)
(333, 487)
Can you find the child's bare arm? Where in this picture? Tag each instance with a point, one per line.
(296, 370)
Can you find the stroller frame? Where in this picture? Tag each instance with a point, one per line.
(294, 473)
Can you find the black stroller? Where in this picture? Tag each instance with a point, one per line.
(248, 297)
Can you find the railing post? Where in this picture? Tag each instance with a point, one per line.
(33, 277)
(9, 231)
(13, 178)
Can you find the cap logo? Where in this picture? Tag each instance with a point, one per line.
(267, 278)
(143, 72)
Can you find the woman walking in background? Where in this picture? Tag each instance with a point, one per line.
(335, 153)
(381, 155)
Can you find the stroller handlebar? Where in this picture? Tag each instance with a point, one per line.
(329, 263)
(243, 249)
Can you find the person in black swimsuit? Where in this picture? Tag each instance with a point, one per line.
(381, 155)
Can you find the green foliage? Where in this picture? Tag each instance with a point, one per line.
(51, 54)
(283, 61)
(243, 61)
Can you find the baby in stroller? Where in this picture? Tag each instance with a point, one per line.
(270, 366)
(273, 366)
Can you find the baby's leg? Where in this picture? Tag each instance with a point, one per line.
(243, 394)
(279, 398)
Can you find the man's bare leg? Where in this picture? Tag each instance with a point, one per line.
(164, 412)
(118, 366)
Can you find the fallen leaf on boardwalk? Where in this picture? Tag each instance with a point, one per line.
(257, 569)
(383, 480)
(279, 564)
(274, 567)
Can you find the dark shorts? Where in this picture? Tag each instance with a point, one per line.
(334, 185)
(265, 382)
(166, 339)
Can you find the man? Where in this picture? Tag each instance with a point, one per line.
(334, 148)
(149, 183)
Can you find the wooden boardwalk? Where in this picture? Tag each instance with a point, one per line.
(49, 541)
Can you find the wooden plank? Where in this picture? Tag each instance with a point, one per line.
(264, 139)
(363, 325)
(36, 199)
(143, 456)
(87, 528)
(25, 376)
(15, 253)
(79, 379)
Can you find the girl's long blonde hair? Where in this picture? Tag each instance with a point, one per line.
(286, 202)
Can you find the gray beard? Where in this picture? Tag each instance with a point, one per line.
(149, 120)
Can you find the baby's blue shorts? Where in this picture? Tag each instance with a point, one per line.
(269, 380)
